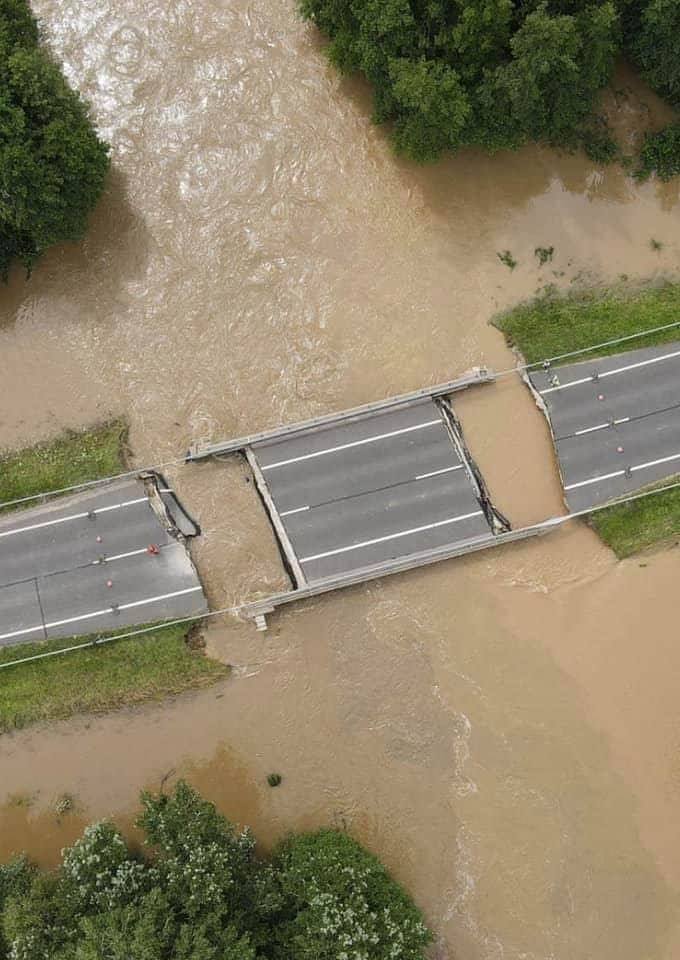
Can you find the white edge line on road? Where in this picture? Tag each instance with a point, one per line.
(20, 633)
(391, 536)
(611, 373)
(600, 426)
(435, 473)
(120, 556)
(73, 516)
(620, 473)
(354, 443)
(100, 613)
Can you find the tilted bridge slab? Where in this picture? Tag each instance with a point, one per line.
(367, 492)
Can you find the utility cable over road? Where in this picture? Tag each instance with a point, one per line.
(236, 610)
(178, 461)
(351, 496)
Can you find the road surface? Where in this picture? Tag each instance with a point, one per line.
(367, 491)
(96, 562)
(615, 421)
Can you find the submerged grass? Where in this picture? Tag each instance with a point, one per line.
(553, 325)
(99, 678)
(72, 458)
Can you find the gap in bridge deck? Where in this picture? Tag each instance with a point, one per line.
(510, 441)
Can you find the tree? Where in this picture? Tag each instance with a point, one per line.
(660, 154)
(431, 108)
(494, 73)
(52, 164)
(340, 902)
(545, 92)
(201, 894)
(653, 31)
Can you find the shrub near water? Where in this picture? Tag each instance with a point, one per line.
(494, 73)
(203, 895)
(52, 164)
(652, 29)
(500, 73)
(660, 154)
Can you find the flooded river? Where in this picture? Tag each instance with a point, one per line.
(502, 730)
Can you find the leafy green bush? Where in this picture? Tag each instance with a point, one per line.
(660, 154)
(52, 164)
(499, 73)
(652, 28)
(340, 902)
(201, 894)
(494, 73)
(598, 143)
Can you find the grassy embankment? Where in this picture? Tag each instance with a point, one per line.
(98, 678)
(553, 325)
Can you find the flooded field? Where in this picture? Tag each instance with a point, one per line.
(502, 730)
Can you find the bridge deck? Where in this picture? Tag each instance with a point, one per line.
(57, 560)
(615, 422)
(371, 491)
(368, 491)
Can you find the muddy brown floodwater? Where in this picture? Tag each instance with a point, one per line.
(502, 730)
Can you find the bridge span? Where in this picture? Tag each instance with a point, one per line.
(370, 491)
(390, 486)
(351, 497)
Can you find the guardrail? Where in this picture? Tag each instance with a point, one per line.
(257, 610)
(478, 375)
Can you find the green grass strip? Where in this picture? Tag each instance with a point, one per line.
(95, 679)
(74, 457)
(556, 324)
(630, 527)
(148, 667)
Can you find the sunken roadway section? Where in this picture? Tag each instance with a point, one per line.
(110, 557)
(365, 492)
(615, 422)
(368, 492)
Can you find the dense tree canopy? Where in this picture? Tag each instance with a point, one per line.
(495, 73)
(652, 33)
(52, 164)
(202, 894)
(652, 29)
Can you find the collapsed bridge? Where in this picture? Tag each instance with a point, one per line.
(370, 491)
(392, 485)
(351, 497)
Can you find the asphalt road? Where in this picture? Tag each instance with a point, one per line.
(57, 561)
(615, 421)
(372, 489)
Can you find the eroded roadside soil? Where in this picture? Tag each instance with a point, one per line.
(502, 730)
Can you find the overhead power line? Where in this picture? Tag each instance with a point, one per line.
(548, 361)
(101, 641)
(181, 460)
